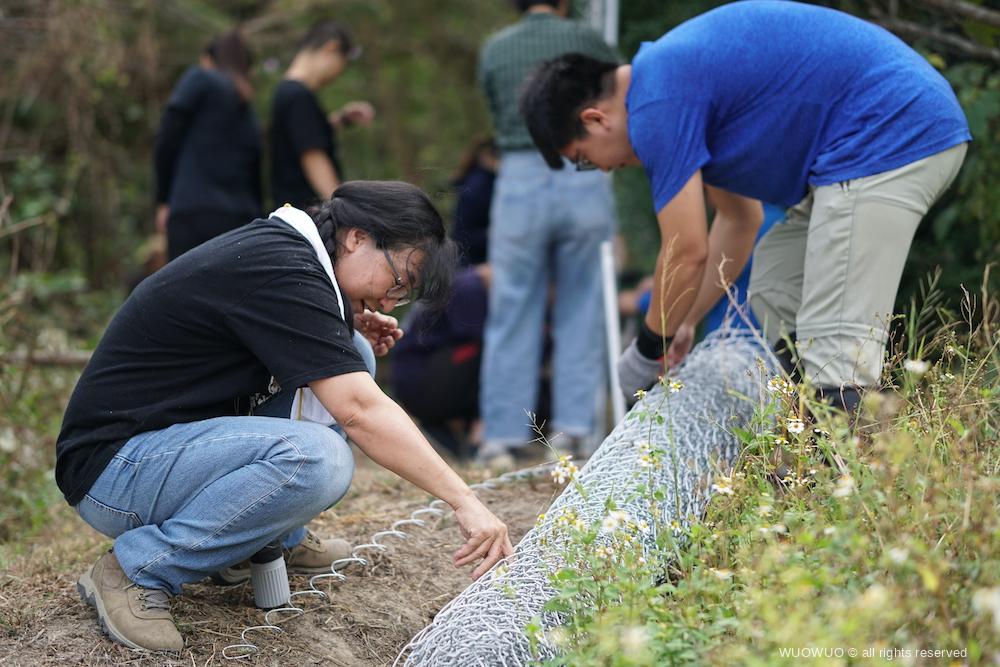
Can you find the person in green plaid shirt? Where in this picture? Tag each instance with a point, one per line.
(546, 229)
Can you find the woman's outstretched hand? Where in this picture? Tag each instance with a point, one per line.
(485, 537)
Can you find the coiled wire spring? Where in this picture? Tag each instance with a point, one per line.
(436, 509)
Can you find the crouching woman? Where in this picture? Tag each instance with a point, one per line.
(161, 449)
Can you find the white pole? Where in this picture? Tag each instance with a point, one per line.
(603, 17)
(612, 328)
(611, 22)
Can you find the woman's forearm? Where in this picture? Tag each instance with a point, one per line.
(387, 435)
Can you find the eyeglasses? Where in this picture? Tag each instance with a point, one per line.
(399, 291)
(583, 164)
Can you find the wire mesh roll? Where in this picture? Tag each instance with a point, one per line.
(719, 386)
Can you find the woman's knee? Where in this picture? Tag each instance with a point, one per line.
(327, 465)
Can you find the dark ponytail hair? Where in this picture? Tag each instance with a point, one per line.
(397, 216)
(231, 56)
(480, 147)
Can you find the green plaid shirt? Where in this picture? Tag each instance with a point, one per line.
(510, 55)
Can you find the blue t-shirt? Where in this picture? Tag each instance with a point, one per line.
(768, 97)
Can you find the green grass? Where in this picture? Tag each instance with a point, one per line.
(44, 313)
(884, 543)
(881, 542)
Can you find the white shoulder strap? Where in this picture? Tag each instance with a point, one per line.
(305, 406)
(303, 224)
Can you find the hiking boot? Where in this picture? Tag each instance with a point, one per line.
(314, 556)
(311, 556)
(496, 461)
(569, 445)
(501, 456)
(128, 613)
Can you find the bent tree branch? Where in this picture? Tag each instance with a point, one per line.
(947, 41)
(966, 10)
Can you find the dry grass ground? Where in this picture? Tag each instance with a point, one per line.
(366, 620)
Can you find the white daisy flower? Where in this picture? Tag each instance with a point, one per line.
(795, 425)
(898, 555)
(845, 487)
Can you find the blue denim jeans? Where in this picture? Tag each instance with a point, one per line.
(546, 229)
(188, 500)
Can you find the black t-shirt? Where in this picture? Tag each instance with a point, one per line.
(207, 153)
(201, 336)
(298, 124)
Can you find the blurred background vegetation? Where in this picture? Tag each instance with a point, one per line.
(86, 80)
(83, 88)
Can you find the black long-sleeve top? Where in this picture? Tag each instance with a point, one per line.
(208, 149)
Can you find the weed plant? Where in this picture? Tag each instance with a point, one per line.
(872, 542)
(42, 316)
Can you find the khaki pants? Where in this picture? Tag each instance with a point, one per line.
(830, 272)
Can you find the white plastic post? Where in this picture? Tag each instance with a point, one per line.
(603, 17)
(612, 327)
(611, 22)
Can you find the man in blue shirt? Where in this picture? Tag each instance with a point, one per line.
(783, 102)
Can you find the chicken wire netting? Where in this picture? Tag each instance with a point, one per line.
(718, 386)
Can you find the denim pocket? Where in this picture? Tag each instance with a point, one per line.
(106, 520)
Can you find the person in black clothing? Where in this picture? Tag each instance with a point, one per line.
(305, 164)
(156, 448)
(207, 153)
(435, 370)
(474, 185)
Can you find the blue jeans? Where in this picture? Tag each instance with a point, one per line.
(188, 500)
(546, 228)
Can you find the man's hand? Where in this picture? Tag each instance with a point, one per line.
(636, 371)
(160, 221)
(681, 345)
(379, 329)
(485, 537)
(353, 113)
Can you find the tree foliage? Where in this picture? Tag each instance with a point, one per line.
(86, 80)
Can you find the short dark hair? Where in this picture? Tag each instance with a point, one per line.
(327, 31)
(556, 92)
(525, 5)
(397, 216)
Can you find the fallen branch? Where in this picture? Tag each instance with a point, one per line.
(949, 41)
(966, 10)
(24, 224)
(68, 358)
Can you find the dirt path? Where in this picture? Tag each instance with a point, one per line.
(366, 621)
